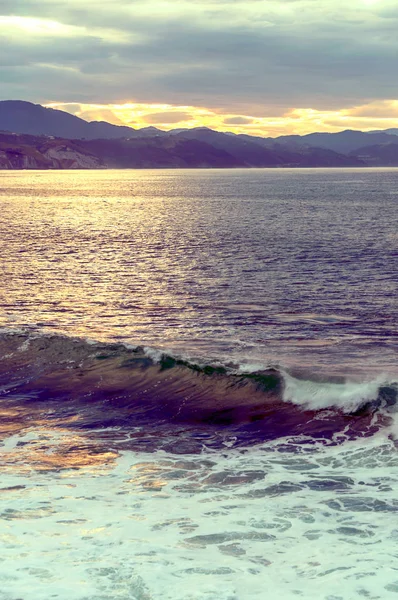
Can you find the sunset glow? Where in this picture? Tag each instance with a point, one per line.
(263, 68)
(376, 115)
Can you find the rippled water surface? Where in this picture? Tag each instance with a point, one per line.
(247, 448)
(258, 264)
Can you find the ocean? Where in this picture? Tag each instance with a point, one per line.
(199, 384)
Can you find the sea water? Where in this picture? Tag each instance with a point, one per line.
(198, 384)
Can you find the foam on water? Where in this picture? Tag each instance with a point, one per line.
(280, 521)
(347, 396)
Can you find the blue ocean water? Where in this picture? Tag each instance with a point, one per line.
(198, 384)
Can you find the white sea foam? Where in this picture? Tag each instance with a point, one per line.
(347, 396)
(318, 523)
(153, 354)
(12, 330)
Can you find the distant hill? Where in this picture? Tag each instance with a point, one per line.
(158, 152)
(343, 141)
(18, 151)
(34, 137)
(34, 152)
(247, 152)
(389, 131)
(267, 152)
(18, 116)
(379, 155)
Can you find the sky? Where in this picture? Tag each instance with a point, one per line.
(263, 67)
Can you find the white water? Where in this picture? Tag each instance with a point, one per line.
(347, 396)
(317, 523)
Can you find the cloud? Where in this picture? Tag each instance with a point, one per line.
(237, 121)
(32, 28)
(102, 115)
(385, 109)
(167, 117)
(298, 121)
(242, 59)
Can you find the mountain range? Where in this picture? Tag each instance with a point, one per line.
(35, 137)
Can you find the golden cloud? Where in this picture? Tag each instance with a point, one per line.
(164, 118)
(12, 26)
(386, 109)
(376, 115)
(237, 121)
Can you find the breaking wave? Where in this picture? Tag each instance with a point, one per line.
(155, 398)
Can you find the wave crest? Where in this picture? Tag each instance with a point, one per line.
(88, 385)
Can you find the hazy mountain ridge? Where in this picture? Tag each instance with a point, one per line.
(44, 138)
(18, 116)
(18, 151)
(379, 155)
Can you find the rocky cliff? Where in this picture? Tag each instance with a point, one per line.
(29, 152)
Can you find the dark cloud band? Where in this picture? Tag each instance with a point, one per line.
(241, 60)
